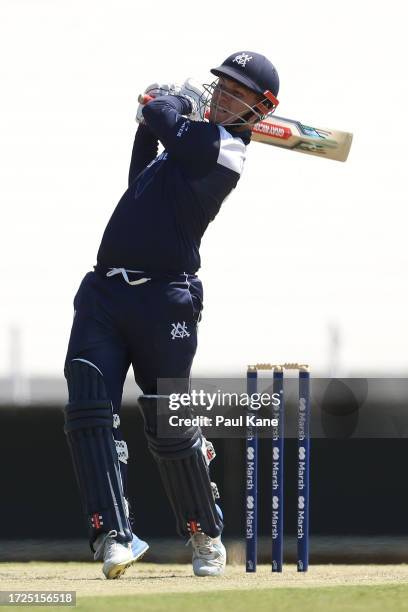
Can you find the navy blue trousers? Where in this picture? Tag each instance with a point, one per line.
(151, 327)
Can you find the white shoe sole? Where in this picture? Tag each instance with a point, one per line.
(213, 573)
(117, 570)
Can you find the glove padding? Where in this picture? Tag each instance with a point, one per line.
(155, 90)
(193, 91)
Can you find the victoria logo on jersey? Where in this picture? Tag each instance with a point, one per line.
(179, 330)
(242, 59)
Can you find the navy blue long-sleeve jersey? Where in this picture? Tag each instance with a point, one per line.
(158, 224)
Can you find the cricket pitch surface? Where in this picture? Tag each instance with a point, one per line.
(148, 578)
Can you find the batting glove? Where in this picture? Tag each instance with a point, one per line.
(193, 91)
(155, 90)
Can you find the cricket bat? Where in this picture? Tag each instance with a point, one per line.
(295, 136)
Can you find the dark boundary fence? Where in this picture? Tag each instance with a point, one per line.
(358, 487)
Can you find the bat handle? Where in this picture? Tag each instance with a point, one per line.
(144, 99)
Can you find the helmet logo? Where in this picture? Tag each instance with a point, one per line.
(242, 59)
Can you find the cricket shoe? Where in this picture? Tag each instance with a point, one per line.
(117, 557)
(209, 555)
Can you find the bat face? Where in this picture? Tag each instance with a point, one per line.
(290, 134)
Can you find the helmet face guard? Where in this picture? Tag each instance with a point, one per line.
(257, 74)
(210, 103)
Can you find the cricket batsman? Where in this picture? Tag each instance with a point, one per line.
(141, 305)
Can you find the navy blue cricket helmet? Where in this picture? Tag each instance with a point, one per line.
(251, 69)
